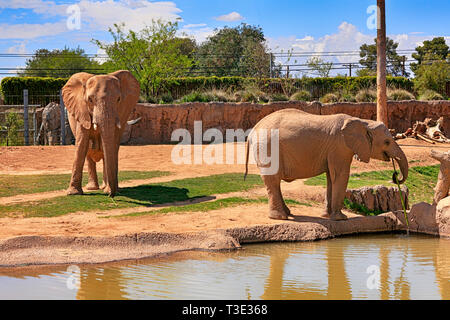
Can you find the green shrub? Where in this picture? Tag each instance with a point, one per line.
(12, 88)
(277, 97)
(429, 95)
(12, 125)
(329, 98)
(366, 95)
(347, 97)
(167, 98)
(399, 95)
(220, 95)
(196, 96)
(301, 96)
(316, 86)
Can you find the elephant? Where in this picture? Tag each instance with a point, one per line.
(51, 126)
(98, 107)
(309, 145)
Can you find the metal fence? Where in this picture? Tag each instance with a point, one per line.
(28, 118)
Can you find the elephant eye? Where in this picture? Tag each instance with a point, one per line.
(387, 142)
(118, 99)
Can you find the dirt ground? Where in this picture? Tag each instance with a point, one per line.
(58, 159)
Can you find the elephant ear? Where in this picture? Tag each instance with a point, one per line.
(358, 138)
(74, 100)
(130, 91)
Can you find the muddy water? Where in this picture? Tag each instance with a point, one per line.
(415, 267)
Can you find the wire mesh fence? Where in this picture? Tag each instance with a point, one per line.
(22, 123)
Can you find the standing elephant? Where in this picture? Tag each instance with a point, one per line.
(98, 107)
(310, 145)
(51, 126)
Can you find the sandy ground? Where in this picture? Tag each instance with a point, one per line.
(41, 160)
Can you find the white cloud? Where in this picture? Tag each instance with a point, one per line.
(233, 16)
(95, 15)
(30, 31)
(19, 48)
(200, 32)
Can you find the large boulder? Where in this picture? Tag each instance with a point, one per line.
(431, 219)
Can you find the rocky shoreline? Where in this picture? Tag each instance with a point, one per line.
(48, 250)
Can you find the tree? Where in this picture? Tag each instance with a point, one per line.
(321, 67)
(152, 54)
(240, 51)
(430, 51)
(432, 76)
(59, 63)
(368, 53)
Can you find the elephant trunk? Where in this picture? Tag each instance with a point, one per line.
(104, 119)
(110, 159)
(402, 161)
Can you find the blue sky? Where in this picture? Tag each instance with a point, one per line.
(301, 25)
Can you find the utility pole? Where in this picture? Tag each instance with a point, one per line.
(382, 112)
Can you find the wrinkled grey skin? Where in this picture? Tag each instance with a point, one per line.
(51, 126)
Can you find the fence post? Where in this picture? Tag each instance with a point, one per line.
(25, 117)
(63, 119)
(34, 127)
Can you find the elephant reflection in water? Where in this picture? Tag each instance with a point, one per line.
(338, 284)
(103, 284)
(339, 287)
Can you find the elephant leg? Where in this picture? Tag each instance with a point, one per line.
(339, 189)
(77, 168)
(277, 207)
(105, 176)
(329, 197)
(92, 170)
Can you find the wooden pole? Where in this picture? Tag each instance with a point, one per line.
(382, 112)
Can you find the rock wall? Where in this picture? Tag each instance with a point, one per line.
(379, 198)
(159, 121)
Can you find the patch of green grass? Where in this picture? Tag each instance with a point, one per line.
(12, 185)
(361, 208)
(421, 181)
(209, 206)
(143, 195)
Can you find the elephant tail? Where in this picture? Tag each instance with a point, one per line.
(247, 154)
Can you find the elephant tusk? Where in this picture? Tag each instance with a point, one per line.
(132, 122)
(95, 126)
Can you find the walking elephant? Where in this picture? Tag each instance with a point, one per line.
(307, 145)
(98, 108)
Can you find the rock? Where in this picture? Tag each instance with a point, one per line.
(431, 219)
(443, 216)
(379, 198)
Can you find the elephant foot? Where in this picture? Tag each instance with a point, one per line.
(278, 215)
(325, 214)
(338, 216)
(107, 190)
(103, 186)
(92, 186)
(72, 191)
(287, 210)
